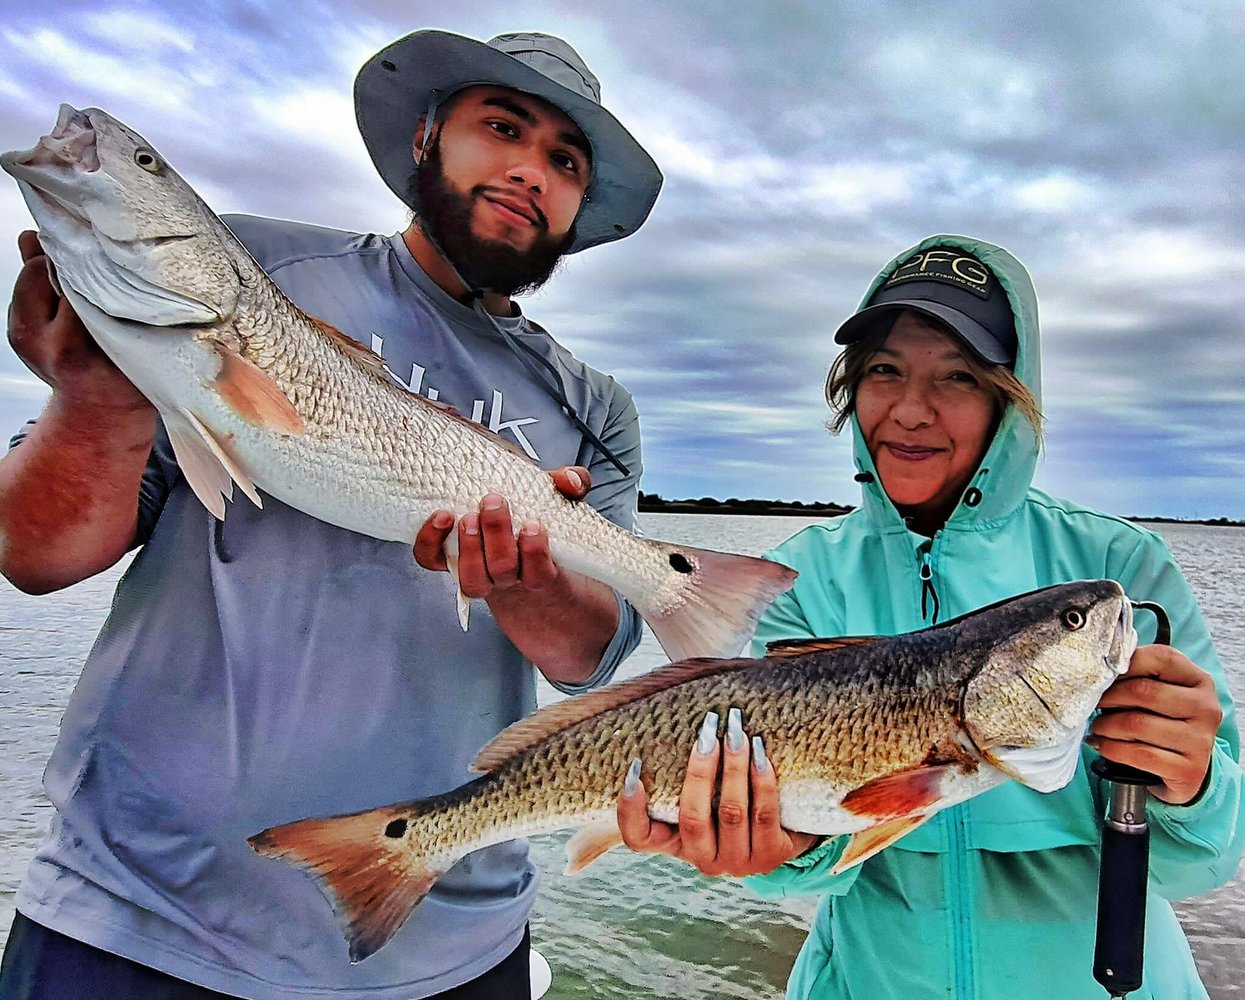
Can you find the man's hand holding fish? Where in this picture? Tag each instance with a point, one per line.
(523, 586)
(282, 655)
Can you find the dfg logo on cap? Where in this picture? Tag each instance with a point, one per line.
(943, 264)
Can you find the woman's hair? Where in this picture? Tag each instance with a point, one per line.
(849, 368)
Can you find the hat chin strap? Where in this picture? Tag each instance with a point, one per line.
(547, 376)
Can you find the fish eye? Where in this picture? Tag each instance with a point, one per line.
(148, 160)
(1073, 619)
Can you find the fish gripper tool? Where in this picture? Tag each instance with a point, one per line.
(1119, 943)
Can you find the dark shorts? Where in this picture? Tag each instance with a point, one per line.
(40, 964)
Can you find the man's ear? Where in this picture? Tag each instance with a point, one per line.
(417, 141)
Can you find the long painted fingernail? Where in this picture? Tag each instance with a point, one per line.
(707, 739)
(735, 729)
(758, 755)
(632, 781)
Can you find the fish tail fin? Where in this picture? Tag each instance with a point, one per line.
(370, 865)
(722, 599)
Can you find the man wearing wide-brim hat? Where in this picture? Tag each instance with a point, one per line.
(272, 667)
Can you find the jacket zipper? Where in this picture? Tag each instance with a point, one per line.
(929, 595)
(959, 907)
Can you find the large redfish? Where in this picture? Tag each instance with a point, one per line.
(867, 736)
(255, 392)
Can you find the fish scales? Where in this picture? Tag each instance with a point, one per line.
(255, 392)
(867, 737)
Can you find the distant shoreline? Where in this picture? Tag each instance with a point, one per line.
(653, 503)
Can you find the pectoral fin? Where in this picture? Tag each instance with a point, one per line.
(253, 396)
(867, 843)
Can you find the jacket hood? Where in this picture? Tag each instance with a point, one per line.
(1006, 471)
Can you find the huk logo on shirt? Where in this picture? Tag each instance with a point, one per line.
(495, 421)
(941, 264)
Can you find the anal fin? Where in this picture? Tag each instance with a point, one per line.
(451, 564)
(867, 843)
(589, 843)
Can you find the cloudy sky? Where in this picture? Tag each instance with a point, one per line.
(803, 146)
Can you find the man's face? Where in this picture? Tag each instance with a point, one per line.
(501, 185)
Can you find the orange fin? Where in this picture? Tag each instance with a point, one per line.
(351, 348)
(780, 648)
(491, 436)
(867, 843)
(589, 843)
(527, 733)
(719, 611)
(248, 390)
(365, 864)
(898, 795)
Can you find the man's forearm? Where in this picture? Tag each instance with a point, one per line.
(69, 493)
(565, 629)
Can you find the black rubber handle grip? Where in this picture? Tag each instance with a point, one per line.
(1120, 944)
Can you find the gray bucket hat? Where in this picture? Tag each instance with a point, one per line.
(407, 77)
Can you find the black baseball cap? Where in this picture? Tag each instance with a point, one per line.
(951, 285)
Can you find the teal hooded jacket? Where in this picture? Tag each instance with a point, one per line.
(995, 897)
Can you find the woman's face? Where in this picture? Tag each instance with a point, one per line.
(926, 417)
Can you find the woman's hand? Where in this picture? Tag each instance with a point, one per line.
(743, 837)
(1161, 717)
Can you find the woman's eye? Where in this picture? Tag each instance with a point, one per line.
(967, 378)
(882, 368)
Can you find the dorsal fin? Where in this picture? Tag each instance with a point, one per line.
(492, 436)
(375, 364)
(526, 733)
(361, 355)
(784, 648)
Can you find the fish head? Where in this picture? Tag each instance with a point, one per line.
(124, 230)
(1053, 654)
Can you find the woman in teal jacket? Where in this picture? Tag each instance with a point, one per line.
(994, 897)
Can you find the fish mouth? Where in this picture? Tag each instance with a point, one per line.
(50, 169)
(1123, 642)
(70, 144)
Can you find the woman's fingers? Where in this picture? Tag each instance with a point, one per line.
(734, 834)
(697, 828)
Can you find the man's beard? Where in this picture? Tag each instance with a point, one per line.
(445, 214)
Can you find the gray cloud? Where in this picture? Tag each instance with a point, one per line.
(803, 147)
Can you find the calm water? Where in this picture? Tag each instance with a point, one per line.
(631, 926)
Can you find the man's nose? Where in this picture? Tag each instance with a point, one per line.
(529, 173)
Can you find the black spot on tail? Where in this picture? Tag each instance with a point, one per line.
(680, 563)
(396, 828)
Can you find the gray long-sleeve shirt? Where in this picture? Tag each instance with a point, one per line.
(273, 667)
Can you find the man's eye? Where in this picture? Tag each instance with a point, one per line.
(504, 128)
(566, 162)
